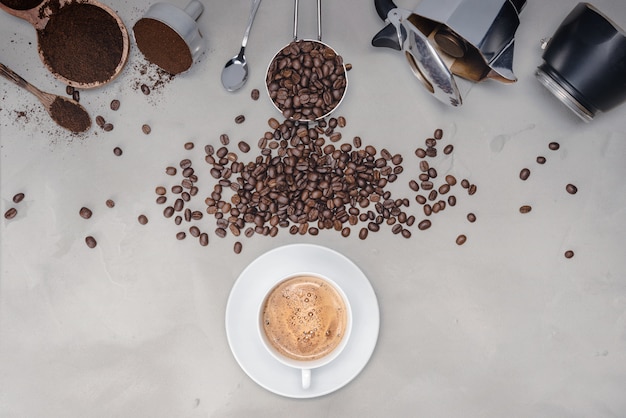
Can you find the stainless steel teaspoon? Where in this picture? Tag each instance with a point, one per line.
(235, 72)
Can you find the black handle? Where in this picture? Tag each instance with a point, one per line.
(388, 37)
(383, 7)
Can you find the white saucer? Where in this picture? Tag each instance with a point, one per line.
(242, 319)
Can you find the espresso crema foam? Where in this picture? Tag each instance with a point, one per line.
(304, 318)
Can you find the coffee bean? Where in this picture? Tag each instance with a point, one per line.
(194, 231)
(171, 171)
(461, 239)
(423, 225)
(452, 200)
(450, 179)
(189, 145)
(117, 151)
(472, 189)
(444, 188)
(273, 123)
(397, 228)
(18, 197)
(569, 254)
(413, 185)
(363, 233)
(420, 152)
(341, 122)
(541, 160)
(90, 241)
(224, 139)
(143, 219)
(243, 146)
(160, 190)
(424, 166)
(168, 212)
(237, 247)
(524, 174)
(525, 208)
(107, 127)
(100, 121)
(145, 89)
(69, 90)
(204, 239)
(10, 213)
(448, 149)
(110, 203)
(76, 96)
(255, 94)
(161, 200)
(356, 141)
(554, 146)
(181, 235)
(420, 199)
(146, 129)
(115, 104)
(471, 217)
(85, 213)
(571, 189)
(240, 119)
(178, 220)
(438, 134)
(427, 185)
(185, 163)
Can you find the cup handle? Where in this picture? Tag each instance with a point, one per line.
(306, 378)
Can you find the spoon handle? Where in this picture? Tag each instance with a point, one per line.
(255, 7)
(11, 75)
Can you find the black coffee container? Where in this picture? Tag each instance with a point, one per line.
(585, 63)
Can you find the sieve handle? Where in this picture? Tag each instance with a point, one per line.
(319, 20)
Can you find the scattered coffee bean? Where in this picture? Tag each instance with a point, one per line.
(524, 174)
(471, 217)
(448, 149)
(145, 89)
(18, 197)
(356, 141)
(146, 129)
(189, 145)
(161, 200)
(143, 219)
(69, 90)
(569, 254)
(525, 208)
(554, 146)
(107, 127)
(243, 146)
(348, 67)
(10, 213)
(451, 180)
(76, 96)
(571, 189)
(110, 203)
(224, 139)
(100, 121)
(115, 104)
(541, 160)
(452, 200)
(237, 247)
(181, 235)
(90, 241)
(472, 189)
(240, 119)
(461, 239)
(85, 213)
(204, 239)
(438, 133)
(255, 94)
(160, 190)
(425, 224)
(171, 171)
(413, 185)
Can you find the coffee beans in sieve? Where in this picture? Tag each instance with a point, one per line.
(306, 80)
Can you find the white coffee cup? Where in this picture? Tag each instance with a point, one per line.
(312, 313)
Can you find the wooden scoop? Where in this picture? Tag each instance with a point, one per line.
(65, 112)
(41, 14)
